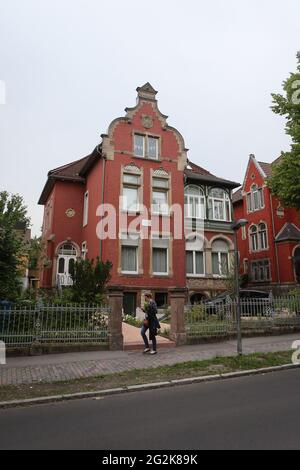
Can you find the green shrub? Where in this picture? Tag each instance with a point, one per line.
(295, 292)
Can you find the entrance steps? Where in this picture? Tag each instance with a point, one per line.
(133, 340)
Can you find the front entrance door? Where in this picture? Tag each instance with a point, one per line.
(129, 303)
(66, 259)
(297, 264)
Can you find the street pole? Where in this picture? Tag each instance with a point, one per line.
(237, 293)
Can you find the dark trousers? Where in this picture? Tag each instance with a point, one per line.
(143, 333)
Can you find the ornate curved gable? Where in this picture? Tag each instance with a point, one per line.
(146, 118)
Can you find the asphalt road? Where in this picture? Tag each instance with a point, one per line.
(259, 412)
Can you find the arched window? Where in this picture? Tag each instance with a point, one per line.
(67, 255)
(194, 202)
(195, 263)
(263, 236)
(254, 238)
(219, 205)
(220, 257)
(67, 250)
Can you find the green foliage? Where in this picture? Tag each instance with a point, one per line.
(35, 252)
(13, 250)
(230, 280)
(130, 320)
(197, 314)
(285, 179)
(295, 292)
(90, 279)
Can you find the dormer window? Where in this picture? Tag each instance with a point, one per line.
(146, 146)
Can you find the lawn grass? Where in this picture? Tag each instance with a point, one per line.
(218, 365)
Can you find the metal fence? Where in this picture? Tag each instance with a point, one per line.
(218, 319)
(23, 326)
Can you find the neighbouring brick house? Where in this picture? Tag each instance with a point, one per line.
(270, 244)
(143, 161)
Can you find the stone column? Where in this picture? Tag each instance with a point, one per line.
(178, 300)
(115, 334)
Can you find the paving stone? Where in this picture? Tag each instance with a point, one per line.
(71, 366)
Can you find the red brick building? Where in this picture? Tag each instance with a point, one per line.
(139, 177)
(270, 245)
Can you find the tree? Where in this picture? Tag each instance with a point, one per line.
(285, 180)
(90, 279)
(13, 251)
(35, 252)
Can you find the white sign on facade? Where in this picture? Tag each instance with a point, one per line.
(2, 353)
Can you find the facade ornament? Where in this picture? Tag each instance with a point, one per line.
(147, 121)
(70, 213)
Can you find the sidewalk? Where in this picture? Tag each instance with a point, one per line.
(64, 367)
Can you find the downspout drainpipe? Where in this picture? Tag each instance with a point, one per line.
(102, 200)
(275, 244)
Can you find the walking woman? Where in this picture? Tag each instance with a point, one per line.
(151, 323)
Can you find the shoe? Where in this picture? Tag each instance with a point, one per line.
(153, 353)
(147, 350)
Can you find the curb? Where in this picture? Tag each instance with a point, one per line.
(145, 387)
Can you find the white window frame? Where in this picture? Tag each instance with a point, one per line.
(146, 138)
(84, 250)
(158, 273)
(200, 203)
(164, 190)
(263, 235)
(86, 209)
(254, 236)
(147, 147)
(136, 134)
(225, 200)
(194, 274)
(134, 186)
(220, 253)
(137, 260)
(251, 199)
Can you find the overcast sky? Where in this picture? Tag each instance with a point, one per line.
(72, 66)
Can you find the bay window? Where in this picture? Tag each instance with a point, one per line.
(194, 202)
(219, 205)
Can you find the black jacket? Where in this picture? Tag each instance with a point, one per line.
(151, 313)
